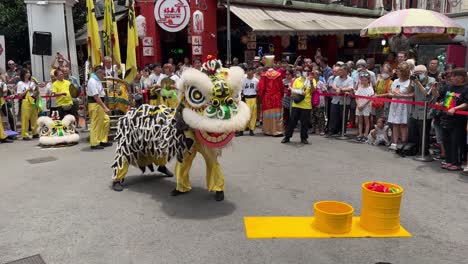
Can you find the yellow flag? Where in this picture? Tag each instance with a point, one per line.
(94, 40)
(110, 33)
(132, 43)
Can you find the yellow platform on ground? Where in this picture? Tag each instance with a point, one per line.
(303, 227)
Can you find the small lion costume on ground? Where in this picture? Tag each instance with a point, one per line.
(56, 132)
(205, 121)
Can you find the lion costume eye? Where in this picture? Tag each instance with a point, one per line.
(195, 97)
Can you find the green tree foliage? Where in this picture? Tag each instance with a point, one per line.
(14, 26)
(79, 15)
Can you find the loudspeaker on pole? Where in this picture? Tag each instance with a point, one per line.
(42, 43)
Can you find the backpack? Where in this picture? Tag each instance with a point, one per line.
(316, 99)
(407, 149)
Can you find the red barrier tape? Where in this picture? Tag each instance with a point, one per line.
(19, 97)
(388, 100)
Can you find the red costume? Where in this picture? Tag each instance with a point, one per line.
(270, 92)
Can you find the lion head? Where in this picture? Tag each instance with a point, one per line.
(211, 103)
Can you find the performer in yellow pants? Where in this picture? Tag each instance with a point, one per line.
(100, 123)
(142, 163)
(3, 136)
(97, 110)
(252, 103)
(29, 117)
(214, 175)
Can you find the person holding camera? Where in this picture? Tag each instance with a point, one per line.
(301, 95)
(62, 62)
(61, 89)
(423, 86)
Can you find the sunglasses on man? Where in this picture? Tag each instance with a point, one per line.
(364, 75)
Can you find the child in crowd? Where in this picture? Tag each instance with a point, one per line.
(318, 105)
(379, 135)
(363, 106)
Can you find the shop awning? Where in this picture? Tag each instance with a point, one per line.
(273, 21)
(82, 34)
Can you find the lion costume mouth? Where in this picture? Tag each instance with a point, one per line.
(214, 140)
(216, 132)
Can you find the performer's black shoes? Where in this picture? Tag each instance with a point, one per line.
(304, 141)
(107, 144)
(117, 186)
(166, 171)
(97, 147)
(175, 192)
(219, 196)
(239, 133)
(251, 133)
(35, 136)
(285, 140)
(6, 140)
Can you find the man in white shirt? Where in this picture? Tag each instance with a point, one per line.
(249, 95)
(110, 70)
(155, 76)
(342, 83)
(97, 110)
(167, 83)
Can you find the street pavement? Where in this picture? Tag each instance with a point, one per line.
(65, 210)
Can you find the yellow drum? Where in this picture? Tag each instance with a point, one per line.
(381, 211)
(117, 94)
(333, 217)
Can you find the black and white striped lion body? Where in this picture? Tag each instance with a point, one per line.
(148, 133)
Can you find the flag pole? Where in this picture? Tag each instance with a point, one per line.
(228, 32)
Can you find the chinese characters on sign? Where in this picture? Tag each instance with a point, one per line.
(198, 22)
(172, 15)
(196, 40)
(197, 50)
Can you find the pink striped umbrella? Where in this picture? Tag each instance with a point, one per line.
(411, 22)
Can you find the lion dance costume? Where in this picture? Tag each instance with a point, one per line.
(56, 132)
(210, 110)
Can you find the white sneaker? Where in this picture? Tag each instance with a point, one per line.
(392, 146)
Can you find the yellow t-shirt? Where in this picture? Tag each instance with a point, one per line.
(62, 87)
(299, 85)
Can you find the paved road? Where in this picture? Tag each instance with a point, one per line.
(65, 211)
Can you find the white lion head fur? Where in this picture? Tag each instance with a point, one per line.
(42, 122)
(68, 120)
(192, 77)
(236, 123)
(66, 139)
(235, 77)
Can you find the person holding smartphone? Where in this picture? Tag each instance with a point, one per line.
(423, 87)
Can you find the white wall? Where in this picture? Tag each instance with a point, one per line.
(51, 18)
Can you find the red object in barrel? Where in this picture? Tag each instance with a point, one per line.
(377, 187)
